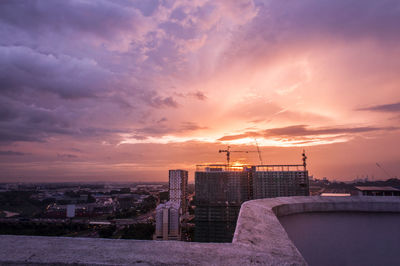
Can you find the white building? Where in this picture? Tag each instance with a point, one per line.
(178, 183)
(167, 221)
(71, 210)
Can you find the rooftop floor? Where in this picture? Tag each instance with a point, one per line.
(259, 239)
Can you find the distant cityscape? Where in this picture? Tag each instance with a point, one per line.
(206, 211)
(111, 210)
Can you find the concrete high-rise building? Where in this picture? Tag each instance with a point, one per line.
(178, 183)
(168, 215)
(167, 221)
(271, 181)
(220, 191)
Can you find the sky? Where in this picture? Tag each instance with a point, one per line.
(124, 90)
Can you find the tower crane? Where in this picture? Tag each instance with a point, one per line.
(383, 169)
(228, 153)
(304, 159)
(259, 152)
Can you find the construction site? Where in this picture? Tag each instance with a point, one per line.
(222, 188)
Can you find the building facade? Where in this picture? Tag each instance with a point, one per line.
(220, 191)
(178, 193)
(271, 181)
(167, 221)
(377, 191)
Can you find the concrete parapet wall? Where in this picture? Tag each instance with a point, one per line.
(258, 226)
(259, 239)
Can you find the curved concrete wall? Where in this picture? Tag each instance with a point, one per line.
(259, 239)
(258, 225)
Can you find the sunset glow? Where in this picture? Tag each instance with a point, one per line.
(125, 90)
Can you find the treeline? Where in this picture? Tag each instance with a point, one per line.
(44, 229)
(143, 231)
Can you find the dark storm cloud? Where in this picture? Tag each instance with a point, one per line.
(40, 132)
(99, 132)
(343, 18)
(160, 128)
(154, 100)
(191, 126)
(159, 102)
(10, 135)
(280, 24)
(100, 60)
(199, 95)
(101, 18)
(13, 153)
(66, 156)
(388, 108)
(163, 119)
(305, 131)
(6, 114)
(62, 62)
(146, 7)
(32, 123)
(23, 69)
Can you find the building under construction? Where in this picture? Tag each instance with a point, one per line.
(221, 189)
(271, 181)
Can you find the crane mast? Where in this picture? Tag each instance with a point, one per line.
(384, 170)
(228, 153)
(259, 152)
(304, 159)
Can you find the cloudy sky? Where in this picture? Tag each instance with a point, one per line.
(124, 90)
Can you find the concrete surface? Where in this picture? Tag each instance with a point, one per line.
(258, 226)
(259, 239)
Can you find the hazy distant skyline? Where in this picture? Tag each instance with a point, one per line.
(125, 90)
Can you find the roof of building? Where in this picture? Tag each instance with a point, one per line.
(335, 194)
(370, 188)
(168, 204)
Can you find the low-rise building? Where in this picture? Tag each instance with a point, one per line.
(377, 191)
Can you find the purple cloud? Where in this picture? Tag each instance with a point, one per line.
(66, 156)
(389, 108)
(305, 131)
(13, 153)
(86, 73)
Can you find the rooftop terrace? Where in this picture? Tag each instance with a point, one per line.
(259, 239)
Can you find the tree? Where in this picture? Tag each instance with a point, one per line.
(142, 231)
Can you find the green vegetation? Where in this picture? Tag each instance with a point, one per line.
(148, 204)
(44, 229)
(107, 232)
(164, 196)
(143, 231)
(21, 202)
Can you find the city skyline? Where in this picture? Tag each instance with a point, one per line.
(125, 90)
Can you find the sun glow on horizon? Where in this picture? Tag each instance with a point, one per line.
(262, 142)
